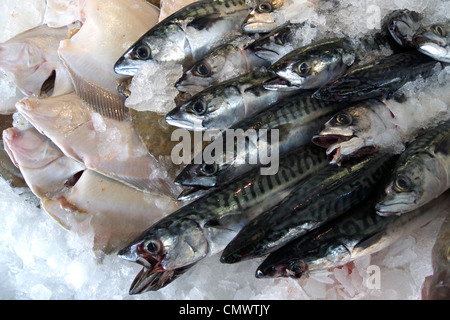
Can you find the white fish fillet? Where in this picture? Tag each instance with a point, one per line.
(107, 146)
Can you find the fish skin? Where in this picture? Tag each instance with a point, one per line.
(186, 35)
(224, 104)
(205, 226)
(434, 41)
(402, 24)
(421, 174)
(32, 56)
(296, 118)
(379, 79)
(313, 66)
(323, 197)
(358, 232)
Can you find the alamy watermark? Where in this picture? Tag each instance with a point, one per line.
(254, 147)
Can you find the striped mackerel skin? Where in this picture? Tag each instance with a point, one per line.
(324, 196)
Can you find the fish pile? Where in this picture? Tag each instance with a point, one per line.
(356, 164)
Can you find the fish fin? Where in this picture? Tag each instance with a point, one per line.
(204, 22)
(101, 100)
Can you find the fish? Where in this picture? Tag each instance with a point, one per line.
(45, 169)
(220, 106)
(383, 125)
(357, 233)
(296, 119)
(402, 24)
(379, 79)
(352, 132)
(434, 41)
(205, 226)
(421, 174)
(90, 54)
(108, 146)
(321, 198)
(436, 286)
(268, 15)
(186, 35)
(224, 62)
(312, 66)
(32, 56)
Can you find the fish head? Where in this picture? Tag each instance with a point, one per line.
(349, 132)
(309, 69)
(402, 24)
(168, 245)
(276, 44)
(205, 72)
(165, 43)
(434, 41)
(212, 108)
(204, 174)
(263, 17)
(415, 182)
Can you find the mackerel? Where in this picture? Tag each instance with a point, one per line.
(323, 197)
(186, 35)
(205, 226)
(295, 119)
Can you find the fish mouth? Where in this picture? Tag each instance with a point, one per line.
(127, 66)
(326, 141)
(387, 210)
(191, 177)
(148, 280)
(180, 119)
(258, 22)
(279, 83)
(192, 193)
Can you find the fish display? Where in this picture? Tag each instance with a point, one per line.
(324, 196)
(206, 225)
(358, 232)
(421, 174)
(434, 41)
(353, 119)
(379, 79)
(186, 35)
(295, 119)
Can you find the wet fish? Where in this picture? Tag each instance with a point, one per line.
(379, 79)
(224, 104)
(324, 196)
(434, 41)
(402, 25)
(421, 174)
(224, 62)
(186, 35)
(436, 286)
(32, 56)
(205, 226)
(110, 147)
(295, 119)
(358, 232)
(312, 66)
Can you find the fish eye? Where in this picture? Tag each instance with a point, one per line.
(152, 246)
(209, 169)
(142, 52)
(265, 7)
(439, 31)
(199, 107)
(303, 68)
(202, 70)
(402, 183)
(344, 119)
